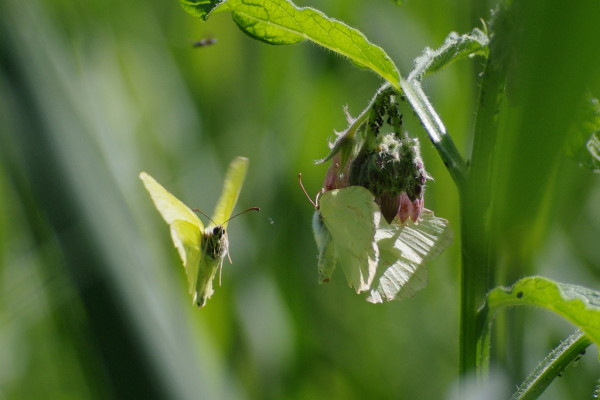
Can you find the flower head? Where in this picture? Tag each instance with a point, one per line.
(394, 172)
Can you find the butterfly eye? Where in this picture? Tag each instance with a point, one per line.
(218, 231)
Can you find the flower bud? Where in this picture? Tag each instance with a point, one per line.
(336, 178)
(393, 167)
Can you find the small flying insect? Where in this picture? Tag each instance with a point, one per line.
(205, 42)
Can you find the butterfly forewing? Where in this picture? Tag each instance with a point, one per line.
(169, 206)
(186, 228)
(234, 179)
(351, 217)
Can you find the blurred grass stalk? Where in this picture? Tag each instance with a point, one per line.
(139, 342)
(544, 50)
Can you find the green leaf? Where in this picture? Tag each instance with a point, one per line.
(202, 8)
(281, 22)
(454, 48)
(561, 357)
(579, 305)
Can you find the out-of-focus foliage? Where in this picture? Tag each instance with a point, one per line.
(584, 136)
(93, 299)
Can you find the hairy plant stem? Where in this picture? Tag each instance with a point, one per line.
(560, 358)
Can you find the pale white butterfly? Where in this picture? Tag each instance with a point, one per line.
(388, 260)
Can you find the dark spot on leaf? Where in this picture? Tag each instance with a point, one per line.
(578, 357)
(582, 352)
(560, 375)
(519, 295)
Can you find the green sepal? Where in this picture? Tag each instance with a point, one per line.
(345, 144)
(454, 48)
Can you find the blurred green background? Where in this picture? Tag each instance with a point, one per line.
(93, 298)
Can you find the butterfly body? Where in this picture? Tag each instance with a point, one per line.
(202, 250)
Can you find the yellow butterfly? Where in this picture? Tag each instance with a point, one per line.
(202, 250)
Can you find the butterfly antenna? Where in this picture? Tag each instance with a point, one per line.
(304, 190)
(195, 209)
(245, 211)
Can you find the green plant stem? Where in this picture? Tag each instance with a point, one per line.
(475, 200)
(436, 130)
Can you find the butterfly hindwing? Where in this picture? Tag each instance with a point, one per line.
(326, 248)
(188, 241)
(351, 217)
(404, 249)
(207, 273)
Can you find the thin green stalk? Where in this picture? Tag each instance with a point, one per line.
(542, 376)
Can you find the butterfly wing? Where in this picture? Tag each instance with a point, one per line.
(187, 240)
(234, 179)
(351, 217)
(204, 287)
(186, 228)
(404, 249)
(326, 248)
(169, 206)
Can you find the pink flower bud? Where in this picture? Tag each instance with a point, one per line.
(406, 208)
(417, 209)
(335, 177)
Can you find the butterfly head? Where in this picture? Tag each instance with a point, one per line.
(216, 242)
